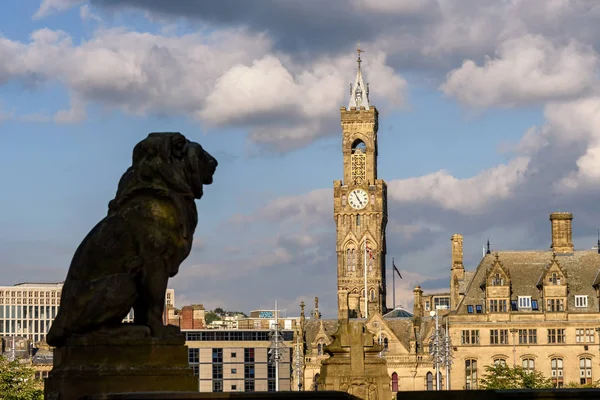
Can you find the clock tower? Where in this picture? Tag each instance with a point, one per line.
(360, 209)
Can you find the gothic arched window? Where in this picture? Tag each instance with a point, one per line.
(319, 349)
(372, 294)
(429, 381)
(394, 382)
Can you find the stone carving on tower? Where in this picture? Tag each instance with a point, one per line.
(360, 208)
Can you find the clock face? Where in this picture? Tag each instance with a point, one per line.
(358, 199)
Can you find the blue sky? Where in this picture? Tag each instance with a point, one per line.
(482, 132)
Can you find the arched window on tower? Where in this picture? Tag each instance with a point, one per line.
(429, 381)
(358, 162)
(357, 219)
(394, 382)
(371, 263)
(350, 259)
(385, 343)
(319, 349)
(372, 294)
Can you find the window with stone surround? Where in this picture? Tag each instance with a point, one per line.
(556, 336)
(528, 364)
(555, 305)
(524, 302)
(498, 336)
(581, 301)
(585, 370)
(498, 306)
(527, 336)
(470, 336)
(471, 374)
(584, 335)
(556, 364)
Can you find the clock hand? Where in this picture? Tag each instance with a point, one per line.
(357, 199)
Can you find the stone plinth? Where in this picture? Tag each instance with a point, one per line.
(89, 365)
(355, 366)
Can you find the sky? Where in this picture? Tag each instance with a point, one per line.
(489, 121)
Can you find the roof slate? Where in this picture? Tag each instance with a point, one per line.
(525, 268)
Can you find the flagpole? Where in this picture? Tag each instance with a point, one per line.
(366, 295)
(393, 285)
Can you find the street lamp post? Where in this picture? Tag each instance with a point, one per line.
(436, 344)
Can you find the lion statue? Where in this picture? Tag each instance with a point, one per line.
(128, 257)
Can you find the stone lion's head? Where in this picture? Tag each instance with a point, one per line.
(167, 161)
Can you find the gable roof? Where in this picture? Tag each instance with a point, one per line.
(526, 267)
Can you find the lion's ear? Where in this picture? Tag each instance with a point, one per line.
(178, 145)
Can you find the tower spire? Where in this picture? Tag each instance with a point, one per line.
(359, 92)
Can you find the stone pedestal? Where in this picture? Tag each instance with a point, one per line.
(96, 365)
(355, 366)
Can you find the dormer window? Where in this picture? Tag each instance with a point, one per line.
(581, 301)
(524, 302)
(554, 279)
(497, 280)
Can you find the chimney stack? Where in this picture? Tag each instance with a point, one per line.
(562, 234)
(457, 251)
(418, 303)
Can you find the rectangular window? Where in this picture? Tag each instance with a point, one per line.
(271, 385)
(470, 336)
(233, 387)
(441, 302)
(584, 335)
(493, 306)
(217, 386)
(470, 309)
(478, 309)
(524, 302)
(427, 306)
(532, 336)
(503, 336)
(193, 356)
(494, 336)
(523, 338)
(248, 355)
(581, 301)
(271, 371)
(217, 370)
(217, 355)
(249, 385)
(555, 305)
(249, 371)
(233, 371)
(513, 305)
(556, 336)
(534, 305)
(233, 355)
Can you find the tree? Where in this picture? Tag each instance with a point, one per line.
(501, 376)
(219, 311)
(17, 381)
(211, 316)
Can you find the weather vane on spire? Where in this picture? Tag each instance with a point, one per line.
(359, 50)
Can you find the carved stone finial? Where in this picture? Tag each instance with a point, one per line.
(126, 260)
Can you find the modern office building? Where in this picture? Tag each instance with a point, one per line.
(28, 309)
(239, 360)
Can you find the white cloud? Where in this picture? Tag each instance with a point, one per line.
(52, 6)
(229, 77)
(530, 69)
(468, 196)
